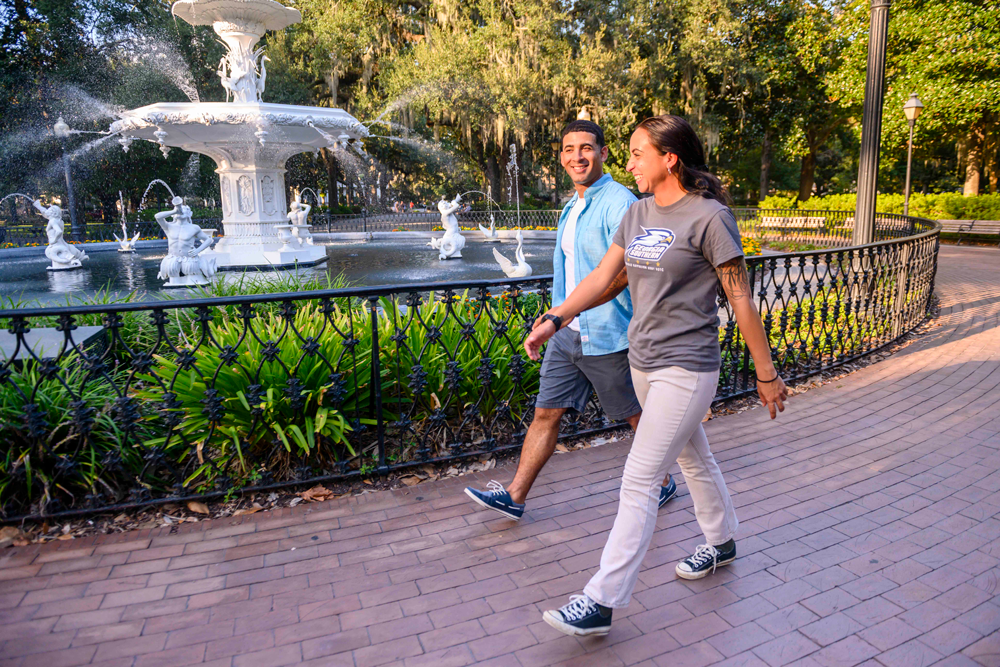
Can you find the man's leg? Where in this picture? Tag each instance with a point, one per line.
(539, 443)
(633, 421)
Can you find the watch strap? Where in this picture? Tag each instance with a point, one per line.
(555, 319)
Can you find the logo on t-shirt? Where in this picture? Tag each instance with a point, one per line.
(650, 245)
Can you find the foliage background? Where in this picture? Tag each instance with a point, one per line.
(774, 88)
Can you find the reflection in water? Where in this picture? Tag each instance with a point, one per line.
(68, 282)
(133, 279)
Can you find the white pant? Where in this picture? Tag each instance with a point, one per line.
(674, 401)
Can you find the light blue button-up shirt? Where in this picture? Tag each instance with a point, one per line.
(604, 329)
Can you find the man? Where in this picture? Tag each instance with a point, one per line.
(591, 352)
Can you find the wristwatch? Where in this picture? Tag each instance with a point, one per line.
(555, 319)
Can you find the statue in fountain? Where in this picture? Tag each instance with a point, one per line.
(450, 245)
(184, 264)
(520, 270)
(299, 219)
(63, 255)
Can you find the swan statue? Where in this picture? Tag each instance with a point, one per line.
(490, 235)
(522, 269)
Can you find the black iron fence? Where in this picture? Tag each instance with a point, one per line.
(429, 221)
(798, 229)
(111, 406)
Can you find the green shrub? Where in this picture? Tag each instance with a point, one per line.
(291, 380)
(83, 450)
(948, 206)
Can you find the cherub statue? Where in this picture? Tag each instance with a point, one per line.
(63, 255)
(184, 263)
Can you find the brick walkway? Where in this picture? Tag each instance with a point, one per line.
(868, 534)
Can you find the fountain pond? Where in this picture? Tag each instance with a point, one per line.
(383, 261)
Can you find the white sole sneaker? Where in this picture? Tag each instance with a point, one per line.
(567, 629)
(691, 576)
(480, 502)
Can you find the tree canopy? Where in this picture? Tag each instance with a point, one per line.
(468, 88)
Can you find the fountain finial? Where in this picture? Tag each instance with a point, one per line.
(240, 24)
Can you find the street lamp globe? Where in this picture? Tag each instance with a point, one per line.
(555, 144)
(584, 114)
(913, 107)
(61, 129)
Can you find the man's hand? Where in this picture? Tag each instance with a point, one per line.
(541, 332)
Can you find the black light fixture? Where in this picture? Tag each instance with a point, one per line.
(912, 109)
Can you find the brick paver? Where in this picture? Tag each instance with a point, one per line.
(869, 535)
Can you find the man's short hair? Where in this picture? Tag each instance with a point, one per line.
(588, 126)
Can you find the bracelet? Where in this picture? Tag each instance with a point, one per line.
(774, 379)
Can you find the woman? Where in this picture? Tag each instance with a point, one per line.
(677, 246)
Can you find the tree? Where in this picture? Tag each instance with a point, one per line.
(947, 51)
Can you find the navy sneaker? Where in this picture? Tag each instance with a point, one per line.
(497, 499)
(667, 492)
(581, 617)
(705, 559)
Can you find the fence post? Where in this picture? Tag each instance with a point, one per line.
(364, 218)
(328, 230)
(375, 395)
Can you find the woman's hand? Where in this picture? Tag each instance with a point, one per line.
(773, 395)
(541, 332)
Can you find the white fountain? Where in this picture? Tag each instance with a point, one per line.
(248, 139)
(125, 243)
(450, 245)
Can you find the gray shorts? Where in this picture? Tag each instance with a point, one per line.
(569, 377)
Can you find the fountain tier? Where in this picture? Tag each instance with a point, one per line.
(248, 139)
(250, 144)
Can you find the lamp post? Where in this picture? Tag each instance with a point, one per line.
(556, 146)
(871, 124)
(62, 132)
(912, 109)
(584, 114)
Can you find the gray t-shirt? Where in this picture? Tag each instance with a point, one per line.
(671, 253)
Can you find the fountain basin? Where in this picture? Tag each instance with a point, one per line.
(193, 126)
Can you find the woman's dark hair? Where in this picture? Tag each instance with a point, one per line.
(673, 134)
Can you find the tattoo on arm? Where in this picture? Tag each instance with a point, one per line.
(733, 276)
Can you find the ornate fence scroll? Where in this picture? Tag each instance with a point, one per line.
(108, 406)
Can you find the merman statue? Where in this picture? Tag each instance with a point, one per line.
(298, 218)
(184, 264)
(450, 245)
(63, 255)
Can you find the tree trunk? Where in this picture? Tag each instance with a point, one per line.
(332, 176)
(109, 207)
(493, 177)
(991, 161)
(765, 165)
(807, 177)
(973, 161)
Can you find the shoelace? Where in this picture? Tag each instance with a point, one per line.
(578, 607)
(496, 488)
(703, 554)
